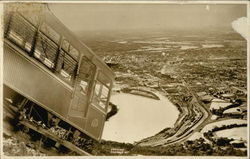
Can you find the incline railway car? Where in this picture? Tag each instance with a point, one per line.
(54, 81)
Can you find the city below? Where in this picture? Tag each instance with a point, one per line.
(203, 74)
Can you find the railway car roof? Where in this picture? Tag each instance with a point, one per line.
(54, 22)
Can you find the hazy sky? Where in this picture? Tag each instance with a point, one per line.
(140, 16)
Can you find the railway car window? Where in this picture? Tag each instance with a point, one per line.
(21, 32)
(65, 45)
(85, 75)
(73, 52)
(102, 89)
(104, 96)
(47, 46)
(49, 32)
(101, 77)
(31, 16)
(67, 66)
(101, 95)
(98, 88)
(67, 63)
(82, 89)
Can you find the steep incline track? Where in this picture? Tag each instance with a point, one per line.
(19, 129)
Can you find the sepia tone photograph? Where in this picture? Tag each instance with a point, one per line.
(152, 78)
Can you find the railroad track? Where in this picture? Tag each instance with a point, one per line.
(21, 129)
(182, 135)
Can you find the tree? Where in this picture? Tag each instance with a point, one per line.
(223, 141)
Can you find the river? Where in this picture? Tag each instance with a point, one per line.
(139, 117)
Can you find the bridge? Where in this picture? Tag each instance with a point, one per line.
(141, 92)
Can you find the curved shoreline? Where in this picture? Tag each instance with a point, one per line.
(148, 113)
(181, 113)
